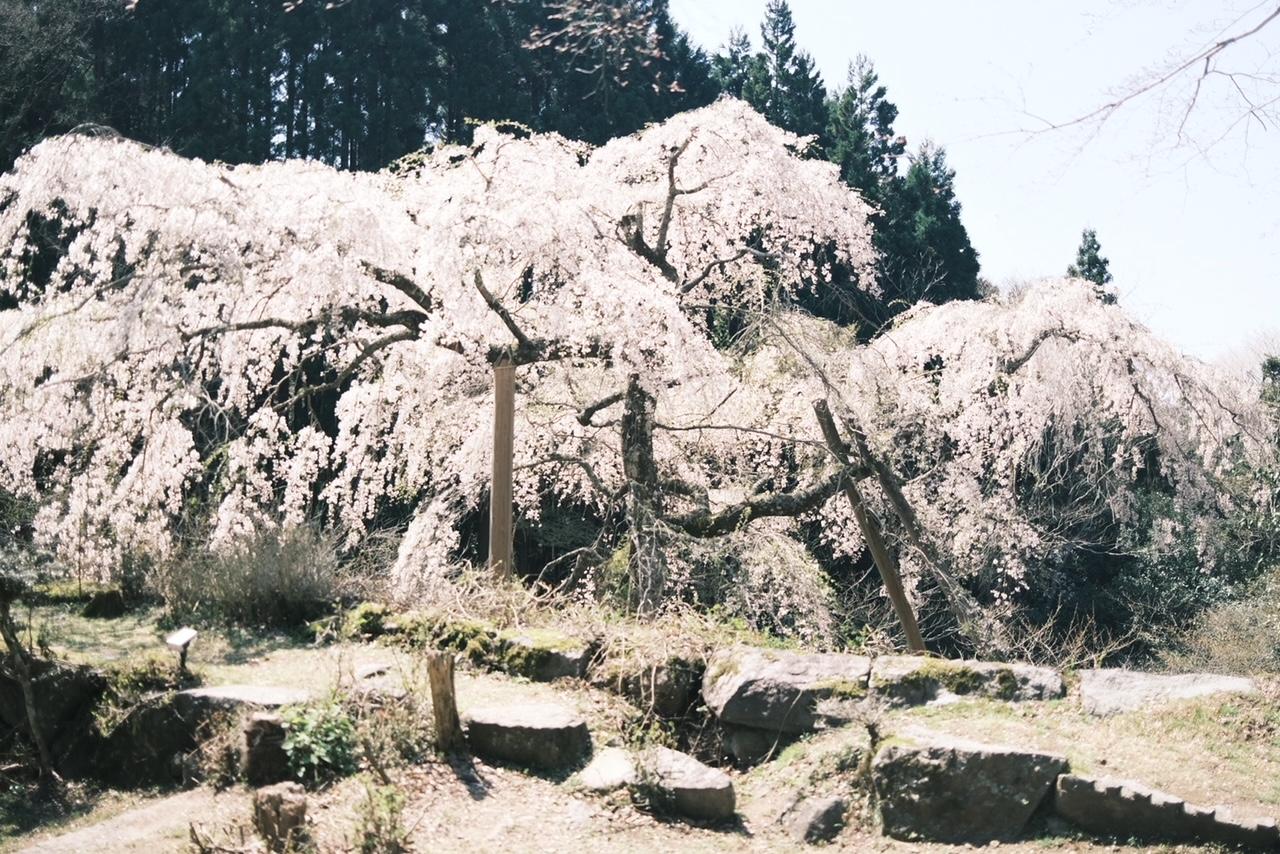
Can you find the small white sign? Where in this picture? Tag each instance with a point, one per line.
(181, 638)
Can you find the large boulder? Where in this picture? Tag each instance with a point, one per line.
(1130, 810)
(1109, 691)
(105, 605)
(677, 783)
(65, 696)
(944, 789)
(147, 746)
(535, 735)
(667, 688)
(61, 691)
(784, 692)
(914, 680)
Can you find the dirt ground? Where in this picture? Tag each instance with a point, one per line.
(1209, 751)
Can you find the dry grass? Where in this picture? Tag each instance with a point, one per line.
(1240, 637)
(1214, 750)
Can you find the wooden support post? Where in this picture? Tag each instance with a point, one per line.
(871, 533)
(501, 558)
(444, 704)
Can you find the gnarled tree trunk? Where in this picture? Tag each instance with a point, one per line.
(648, 564)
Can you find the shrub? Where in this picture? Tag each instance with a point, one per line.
(380, 821)
(366, 620)
(276, 577)
(1241, 636)
(320, 742)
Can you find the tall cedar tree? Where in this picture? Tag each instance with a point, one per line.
(355, 85)
(1091, 266)
(781, 81)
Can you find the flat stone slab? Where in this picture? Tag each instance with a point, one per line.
(1127, 809)
(780, 691)
(683, 785)
(913, 680)
(262, 696)
(609, 770)
(1109, 691)
(536, 735)
(944, 789)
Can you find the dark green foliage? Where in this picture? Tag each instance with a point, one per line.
(1091, 266)
(861, 139)
(320, 743)
(780, 81)
(366, 621)
(927, 246)
(356, 85)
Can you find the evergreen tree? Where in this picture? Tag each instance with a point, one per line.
(781, 81)
(1091, 266)
(927, 248)
(860, 134)
(732, 68)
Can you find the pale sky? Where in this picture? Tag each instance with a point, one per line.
(1192, 229)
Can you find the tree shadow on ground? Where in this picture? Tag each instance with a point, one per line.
(468, 773)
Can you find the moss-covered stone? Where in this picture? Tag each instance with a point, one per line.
(912, 680)
(366, 621)
(842, 689)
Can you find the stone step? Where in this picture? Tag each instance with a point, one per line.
(939, 788)
(543, 736)
(1127, 809)
(761, 694)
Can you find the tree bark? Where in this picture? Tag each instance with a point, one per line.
(501, 557)
(22, 665)
(871, 534)
(648, 564)
(984, 632)
(444, 704)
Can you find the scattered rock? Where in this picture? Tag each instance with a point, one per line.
(264, 759)
(676, 782)
(280, 815)
(912, 680)
(544, 736)
(946, 789)
(612, 768)
(105, 605)
(817, 819)
(1108, 691)
(542, 655)
(781, 691)
(1131, 810)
